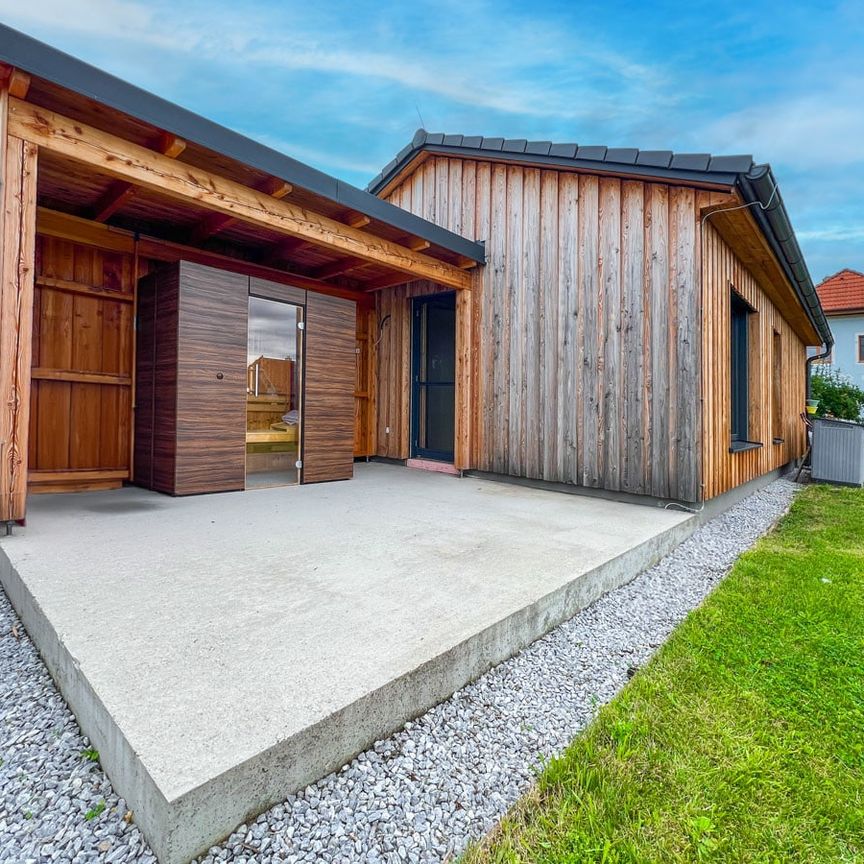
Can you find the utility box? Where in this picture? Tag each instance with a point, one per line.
(838, 452)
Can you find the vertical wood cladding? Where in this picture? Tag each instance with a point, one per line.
(776, 382)
(585, 345)
(191, 378)
(328, 407)
(80, 422)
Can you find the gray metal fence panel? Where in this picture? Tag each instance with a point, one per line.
(838, 452)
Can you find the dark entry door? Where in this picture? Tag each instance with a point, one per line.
(433, 373)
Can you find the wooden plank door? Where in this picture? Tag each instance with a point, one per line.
(328, 407)
(82, 361)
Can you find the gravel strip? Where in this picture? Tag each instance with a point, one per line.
(418, 796)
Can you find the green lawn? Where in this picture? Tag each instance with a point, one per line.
(743, 739)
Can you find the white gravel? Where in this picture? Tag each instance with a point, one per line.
(417, 796)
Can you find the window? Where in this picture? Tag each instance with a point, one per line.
(777, 388)
(740, 371)
(861, 347)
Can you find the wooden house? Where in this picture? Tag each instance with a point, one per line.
(185, 309)
(640, 326)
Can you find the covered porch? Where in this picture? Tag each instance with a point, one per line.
(221, 651)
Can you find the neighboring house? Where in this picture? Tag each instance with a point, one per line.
(842, 298)
(187, 310)
(641, 324)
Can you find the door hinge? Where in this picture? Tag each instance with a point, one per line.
(298, 463)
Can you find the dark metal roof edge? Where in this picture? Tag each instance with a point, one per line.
(39, 59)
(759, 187)
(716, 178)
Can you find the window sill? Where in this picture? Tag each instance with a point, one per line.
(744, 446)
(779, 441)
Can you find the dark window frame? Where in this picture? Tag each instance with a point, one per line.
(739, 349)
(860, 341)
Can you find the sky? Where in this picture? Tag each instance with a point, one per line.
(343, 86)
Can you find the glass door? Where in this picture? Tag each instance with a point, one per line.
(273, 394)
(433, 398)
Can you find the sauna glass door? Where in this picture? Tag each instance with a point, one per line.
(273, 395)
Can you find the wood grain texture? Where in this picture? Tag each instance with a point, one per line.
(155, 172)
(211, 410)
(777, 374)
(18, 160)
(82, 335)
(190, 423)
(587, 355)
(328, 406)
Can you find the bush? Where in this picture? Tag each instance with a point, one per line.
(837, 395)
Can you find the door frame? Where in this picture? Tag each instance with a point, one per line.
(414, 449)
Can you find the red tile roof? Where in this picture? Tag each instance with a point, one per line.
(842, 292)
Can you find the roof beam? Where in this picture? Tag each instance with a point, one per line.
(216, 222)
(187, 184)
(14, 80)
(64, 226)
(338, 267)
(118, 193)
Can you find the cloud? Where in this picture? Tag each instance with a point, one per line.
(823, 126)
(525, 65)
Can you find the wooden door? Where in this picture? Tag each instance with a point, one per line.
(80, 419)
(328, 407)
(211, 380)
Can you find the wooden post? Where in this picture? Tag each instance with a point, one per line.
(17, 254)
(464, 382)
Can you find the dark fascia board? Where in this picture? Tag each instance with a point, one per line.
(759, 189)
(41, 60)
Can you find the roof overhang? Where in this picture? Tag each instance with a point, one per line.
(42, 61)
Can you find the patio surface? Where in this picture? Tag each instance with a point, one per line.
(222, 651)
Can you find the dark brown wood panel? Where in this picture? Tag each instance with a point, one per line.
(156, 381)
(328, 409)
(191, 380)
(211, 380)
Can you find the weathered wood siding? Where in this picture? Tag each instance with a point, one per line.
(724, 470)
(584, 338)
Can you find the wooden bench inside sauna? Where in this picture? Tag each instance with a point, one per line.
(272, 416)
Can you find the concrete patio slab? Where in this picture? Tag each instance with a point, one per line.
(223, 651)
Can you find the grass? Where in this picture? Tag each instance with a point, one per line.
(743, 739)
(94, 812)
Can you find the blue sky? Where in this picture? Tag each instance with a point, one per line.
(343, 86)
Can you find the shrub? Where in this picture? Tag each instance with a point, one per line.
(837, 395)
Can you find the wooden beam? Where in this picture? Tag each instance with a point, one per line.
(67, 227)
(387, 281)
(142, 167)
(216, 222)
(119, 193)
(337, 268)
(17, 254)
(418, 244)
(43, 374)
(14, 81)
(67, 286)
(358, 220)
